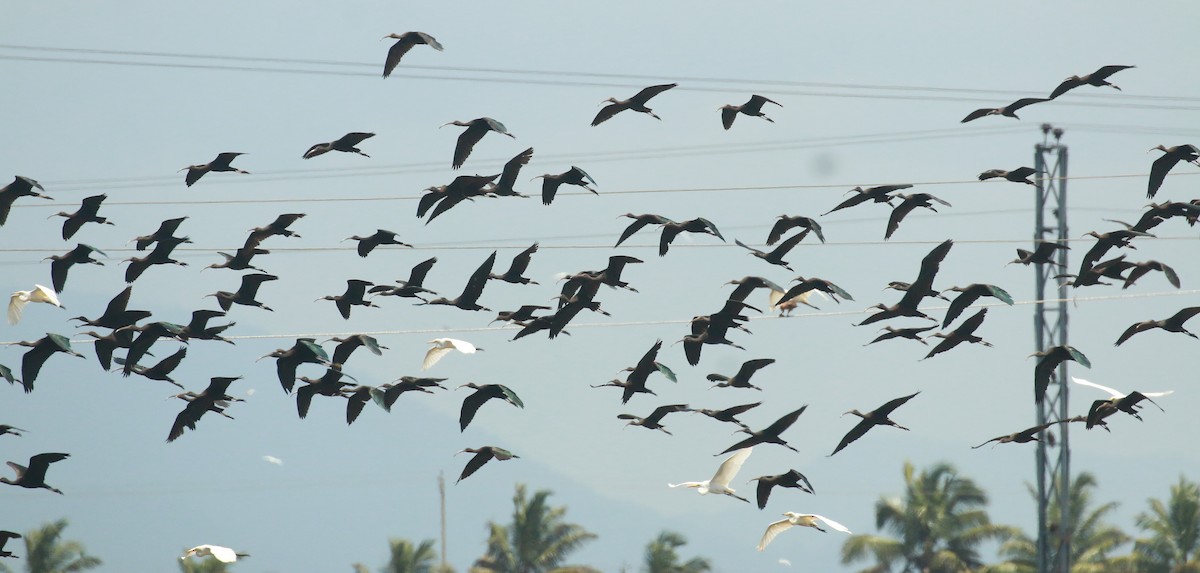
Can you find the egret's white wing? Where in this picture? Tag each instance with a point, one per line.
(686, 484)
(1111, 392)
(43, 294)
(223, 554)
(15, 303)
(461, 345)
(774, 297)
(729, 468)
(436, 353)
(773, 530)
(1157, 394)
(832, 523)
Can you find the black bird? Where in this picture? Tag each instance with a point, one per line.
(573, 176)
(213, 399)
(87, 213)
(1009, 110)
(277, 227)
(162, 370)
(7, 429)
(166, 230)
(635, 103)
(482, 456)
(379, 237)
(81, 254)
(519, 264)
(635, 382)
(1129, 404)
(1171, 156)
(356, 399)
(909, 333)
(751, 108)
(918, 290)
(197, 328)
(775, 257)
(742, 378)
(34, 476)
(469, 299)
(404, 43)
(149, 334)
(411, 288)
(520, 315)
(6, 373)
(792, 479)
(356, 289)
(1018, 175)
(116, 314)
(1048, 361)
(4, 537)
(711, 328)
(1138, 270)
(1040, 255)
(245, 293)
(748, 284)
(444, 197)
(508, 177)
(240, 260)
(387, 394)
(160, 255)
(671, 229)
(906, 206)
(1024, 436)
(347, 143)
(476, 129)
(1106, 241)
(788, 222)
(221, 163)
(876, 417)
(651, 422)
(971, 293)
(39, 352)
(106, 344)
(20, 187)
(729, 414)
(880, 194)
(807, 285)
(329, 384)
(770, 434)
(305, 350)
(640, 222)
(964, 333)
(483, 393)
(346, 346)
(1174, 323)
(1097, 78)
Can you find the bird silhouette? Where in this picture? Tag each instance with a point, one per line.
(971, 293)
(573, 176)
(907, 204)
(1097, 78)
(379, 237)
(482, 394)
(652, 422)
(469, 299)
(404, 43)
(246, 293)
(39, 352)
(356, 289)
(347, 143)
(221, 163)
(1009, 110)
(876, 417)
(20, 187)
(442, 346)
(34, 476)
(792, 479)
(879, 194)
(304, 351)
(770, 434)
(482, 456)
(1018, 175)
(752, 108)
(1162, 165)
(1173, 323)
(222, 554)
(214, 398)
(964, 333)
(635, 103)
(476, 129)
(1048, 361)
(742, 378)
(81, 254)
(87, 213)
(520, 264)
(411, 288)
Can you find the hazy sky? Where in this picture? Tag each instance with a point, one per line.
(114, 99)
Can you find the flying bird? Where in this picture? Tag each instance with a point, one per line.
(1009, 110)
(278, 227)
(404, 43)
(906, 206)
(413, 286)
(971, 293)
(476, 129)
(651, 422)
(18, 300)
(1024, 436)
(964, 333)
(7, 429)
(742, 378)
(1048, 361)
(792, 479)
(880, 194)
(34, 476)
(246, 293)
(719, 483)
(482, 456)
(1174, 323)
(442, 347)
(213, 399)
(671, 229)
(918, 290)
(304, 351)
(1171, 156)
(221, 163)
(770, 434)
(379, 237)
(346, 346)
(87, 213)
(876, 417)
(635, 103)
(482, 394)
(1040, 255)
(574, 176)
(39, 352)
(356, 289)
(752, 108)
(20, 187)
(222, 554)
(166, 231)
(81, 254)
(347, 143)
(775, 257)
(4, 537)
(508, 177)
(909, 333)
(1018, 175)
(1097, 78)
(469, 299)
(729, 414)
(787, 222)
(802, 519)
(519, 265)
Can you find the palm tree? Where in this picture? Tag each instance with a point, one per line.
(939, 525)
(45, 552)
(407, 558)
(1092, 540)
(662, 558)
(1174, 527)
(537, 540)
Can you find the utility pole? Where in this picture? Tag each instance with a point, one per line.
(442, 497)
(1050, 324)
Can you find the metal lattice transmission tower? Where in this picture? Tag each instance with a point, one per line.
(1050, 323)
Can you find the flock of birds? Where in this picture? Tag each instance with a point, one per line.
(579, 291)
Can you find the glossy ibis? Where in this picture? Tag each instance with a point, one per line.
(1171, 156)
(347, 143)
(635, 103)
(149, 334)
(221, 163)
(379, 237)
(964, 333)
(346, 346)
(1048, 361)
(518, 267)
(305, 350)
(876, 417)
(640, 222)
(20, 187)
(482, 394)
(971, 293)
(1009, 110)
(792, 479)
(1018, 175)
(1174, 323)
(476, 129)
(879, 194)
(34, 476)
(1023, 437)
(919, 289)
(197, 328)
(482, 456)
(671, 229)
(770, 434)
(1041, 255)
(906, 206)
(246, 293)
(742, 378)
(775, 257)
(729, 414)
(752, 108)
(573, 176)
(1097, 78)
(788, 222)
(88, 212)
(469, 298)
(39, 352)
(166, 231)
(909, 333)
(652, 422)
(329, 384)
(404, 43)
(356, 289)
(277, 227)
(508, 177)
(81, 254)
(411, 288)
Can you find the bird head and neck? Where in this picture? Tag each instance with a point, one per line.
(856, 413)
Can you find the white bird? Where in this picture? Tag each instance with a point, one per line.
(442, 346)
(272, 460)
(23, 297)
(720, 481)
(222, 554)
(1113, 392)
(803, 519)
